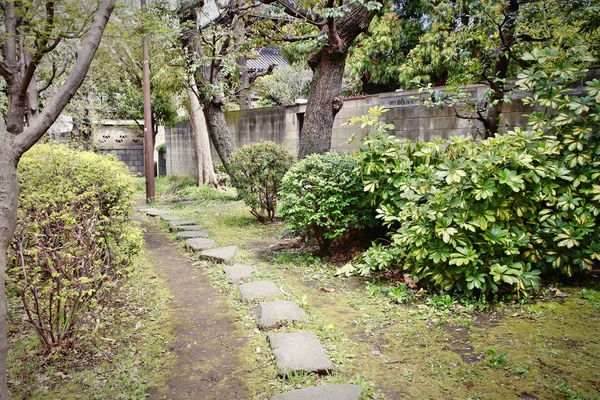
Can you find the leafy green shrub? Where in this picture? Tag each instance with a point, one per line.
(74, 237)
(492, 216)
(324, 195)
(256, 173)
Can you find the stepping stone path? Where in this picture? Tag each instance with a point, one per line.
(273, 314)
(192, 234)
(173, 224)
(294, 352)
(299, 352)
(259, 290)
(188, 228)
(170, 217)
(220, 254)
(153, 212)
(238, 272)
(323, 392)
(199, 244)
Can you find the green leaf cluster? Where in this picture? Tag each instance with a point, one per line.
(73, 240)
(256, 173)
(323, 195)
(492, 216)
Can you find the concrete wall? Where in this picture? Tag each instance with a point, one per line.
(281, 125)
(124, 139)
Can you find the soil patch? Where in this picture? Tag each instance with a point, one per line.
(206, 342)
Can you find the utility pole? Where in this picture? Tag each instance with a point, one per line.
(148, 132)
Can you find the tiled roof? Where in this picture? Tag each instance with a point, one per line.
(266, 57)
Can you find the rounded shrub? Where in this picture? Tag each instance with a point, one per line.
(323, 195)
(256, 172)
(73, 239)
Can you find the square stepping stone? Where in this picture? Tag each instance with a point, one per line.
(259, 290)
(220, 254)
(238, 272)
(323, 392)
(169, 217)
(181, 222)
(192, 234)
(153, 212)
(199, 244)
(187, 228)
(273, 314)
(299, 351)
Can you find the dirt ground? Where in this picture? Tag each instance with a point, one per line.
(207, 340)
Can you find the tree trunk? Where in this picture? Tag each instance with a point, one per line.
(9, 190)
(324, 98)
(498, 81)
(219, 132)
(324, 102)
(206, 172)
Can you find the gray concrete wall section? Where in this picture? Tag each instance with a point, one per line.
(124, 139)
(411, 120)
(180, 154)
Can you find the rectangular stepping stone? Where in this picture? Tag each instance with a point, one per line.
(142, 208)
(273, 314)
(259, 290)
(192, 234)
(199, 244)
(220, 254)
(168, 217)
(323, 392)
(299, 351)
(238, 272)
(181, 222)
(187, 228)
(153, 212)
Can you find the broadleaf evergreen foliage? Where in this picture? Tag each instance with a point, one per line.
(493, 216)
(322, 194)
(74, 238)
(256, 173)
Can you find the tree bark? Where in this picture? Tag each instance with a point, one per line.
(9, 190)
(219, 132)
(16, 139)
(206, 171)
(324, 98)
(498, 81)
(324, 102)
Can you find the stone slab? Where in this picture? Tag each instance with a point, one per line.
(192, 234)
(168, 217)
(299, 351)
(153, 212)
(142, 208)
(187, 228)
(181, 223)
(238, 272)
(220, 254)
(199, 244)
(276, 313)
(259, 290)
(323, 392)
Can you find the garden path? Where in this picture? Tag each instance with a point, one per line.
(207, 365)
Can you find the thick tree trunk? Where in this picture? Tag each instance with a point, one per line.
(206, 171)
(324, 98)
(8, 218)
(323, 104)
(219, 132)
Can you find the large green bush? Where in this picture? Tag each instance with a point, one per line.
(256, 173)
(492, 216)
(74, 237)
(323, 195)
